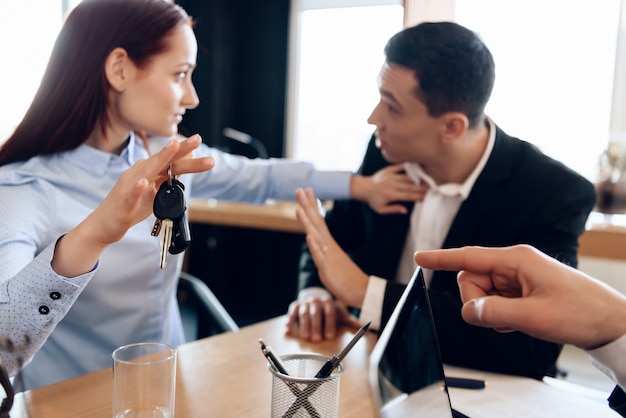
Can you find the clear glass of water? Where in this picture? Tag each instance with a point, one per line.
(144, 380)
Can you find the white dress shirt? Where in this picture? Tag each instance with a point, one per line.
(430, 222)
(609, 359)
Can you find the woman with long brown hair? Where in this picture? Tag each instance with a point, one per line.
(80, 271)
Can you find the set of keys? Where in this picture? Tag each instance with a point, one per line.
(171, 225)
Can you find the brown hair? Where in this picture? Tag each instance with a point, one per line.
(72, 97)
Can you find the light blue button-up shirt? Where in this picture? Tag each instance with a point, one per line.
(126, 298)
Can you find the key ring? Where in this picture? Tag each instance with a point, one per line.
(169, 175)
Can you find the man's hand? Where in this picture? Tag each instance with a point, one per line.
(521, 288)
(315, 316)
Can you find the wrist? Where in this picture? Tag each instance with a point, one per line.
(359, 187)
(609, 327)
(76, 252)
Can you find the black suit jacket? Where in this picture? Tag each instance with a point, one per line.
(521, 196)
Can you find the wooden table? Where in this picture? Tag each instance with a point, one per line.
(226, 376)
(221, 376)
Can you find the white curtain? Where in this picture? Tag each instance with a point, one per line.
(618, 105)
(416, 11)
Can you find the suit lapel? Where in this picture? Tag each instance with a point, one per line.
(482, 202)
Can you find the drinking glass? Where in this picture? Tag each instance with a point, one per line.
(144, 380)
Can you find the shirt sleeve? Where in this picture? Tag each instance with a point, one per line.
(314, 292)
(373, 302)
(32, 304)
(609, 359)
(238, 178)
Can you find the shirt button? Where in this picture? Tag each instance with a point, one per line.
(55, 295)
(44, 310)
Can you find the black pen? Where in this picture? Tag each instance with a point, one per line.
(274, 361)
(334, 361)
(465, 383)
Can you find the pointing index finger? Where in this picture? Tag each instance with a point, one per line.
(474, 259)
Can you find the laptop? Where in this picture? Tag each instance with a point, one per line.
(406, 371)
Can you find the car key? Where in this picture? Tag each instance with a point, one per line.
(181, 236)
(169, 208)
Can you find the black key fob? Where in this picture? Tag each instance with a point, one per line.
(181, 236)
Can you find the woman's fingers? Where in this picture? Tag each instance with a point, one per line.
(179, 155)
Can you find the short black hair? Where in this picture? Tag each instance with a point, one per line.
(453, 67)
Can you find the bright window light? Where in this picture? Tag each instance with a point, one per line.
(554, 72)
(339, 54)
(25, 49)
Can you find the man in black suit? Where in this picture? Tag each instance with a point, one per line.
(484, 188)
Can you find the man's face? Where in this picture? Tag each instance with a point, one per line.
(405, 131)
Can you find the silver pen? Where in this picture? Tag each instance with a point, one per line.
(334, 361)
(274, 361)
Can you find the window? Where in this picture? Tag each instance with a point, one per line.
(555, 62)
(336, 55)
(555, 67)
(25, 48)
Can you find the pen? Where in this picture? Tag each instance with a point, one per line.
(274, 361)
(280, 367)
(334, 361)
(464, 383)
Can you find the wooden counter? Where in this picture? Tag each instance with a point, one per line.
(604, 241)
(273, 216)
(600, 240)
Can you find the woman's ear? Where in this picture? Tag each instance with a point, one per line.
(454, 126)
(117, 68)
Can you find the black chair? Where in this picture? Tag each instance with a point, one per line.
(203, 314)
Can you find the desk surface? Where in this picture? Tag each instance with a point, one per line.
(222, 376)
(226, 376)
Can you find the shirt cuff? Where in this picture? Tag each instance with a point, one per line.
(39, 295)
(331, 185)
(313, 292)
(609, 359)
(372, 309)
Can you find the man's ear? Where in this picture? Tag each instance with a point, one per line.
(117, 68)
(453, 125)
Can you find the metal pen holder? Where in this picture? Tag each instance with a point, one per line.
(299, 395)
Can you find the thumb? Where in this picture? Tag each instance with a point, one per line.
(500, 313)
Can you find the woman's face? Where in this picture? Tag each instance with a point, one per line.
(157, 96)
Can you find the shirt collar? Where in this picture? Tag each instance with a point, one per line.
(417, 174)
(99, 162)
